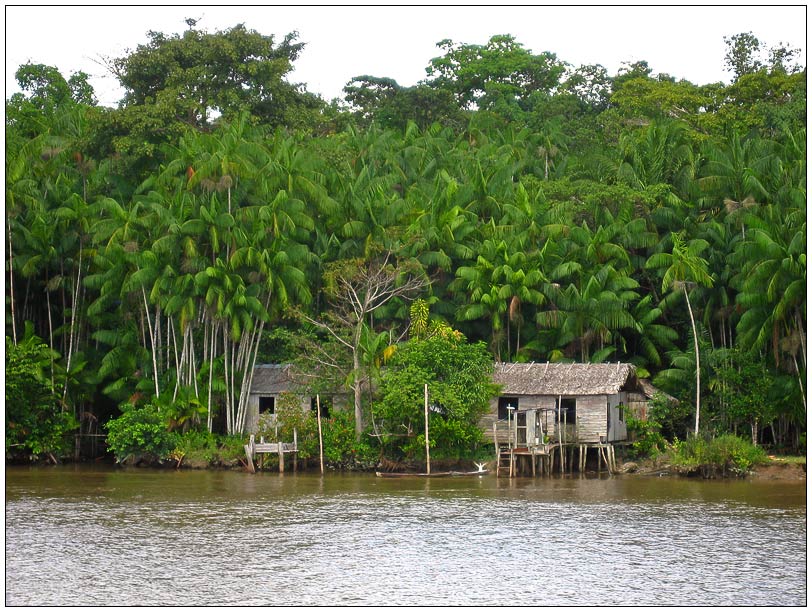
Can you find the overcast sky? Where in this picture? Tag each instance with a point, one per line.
(398, 42)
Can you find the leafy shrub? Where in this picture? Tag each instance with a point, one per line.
(647, 440)
(727, 453)
(460, 385)
(230, 450)
(292, 416)
(340, 446)
(195, 446)
(674, 419)
(34, 420)
(140, 431)
(448, 439)
(184, 412)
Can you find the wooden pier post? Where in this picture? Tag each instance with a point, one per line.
(249, 452)
(321, 439)
(295, 451)
(426, 410)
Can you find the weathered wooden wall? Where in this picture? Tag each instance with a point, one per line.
(591, 418)
(637, 405)
(617, 426)
(590, 413)
(252, 413)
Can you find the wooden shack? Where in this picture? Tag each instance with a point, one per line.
(547, 405)
(271, 382)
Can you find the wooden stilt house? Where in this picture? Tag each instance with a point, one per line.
(544, 407)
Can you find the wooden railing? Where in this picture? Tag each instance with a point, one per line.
(254, 448)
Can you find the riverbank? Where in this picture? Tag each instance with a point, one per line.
(777, 468)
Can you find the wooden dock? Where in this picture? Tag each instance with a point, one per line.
(263, 448)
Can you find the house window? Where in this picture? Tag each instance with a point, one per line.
(504, 402)
(267, 405)
(621, 412)
(565, 409)
(324, 404)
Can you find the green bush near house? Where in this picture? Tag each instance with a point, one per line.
(196, 448)
(648, 442)
(340, 445)
(727, 453)
(140, 431)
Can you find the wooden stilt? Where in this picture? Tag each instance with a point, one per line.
(321, 438)
(249, 452)
(295, 452)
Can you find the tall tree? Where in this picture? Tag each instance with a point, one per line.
(681, 267)
(174, 82)
(356, 288)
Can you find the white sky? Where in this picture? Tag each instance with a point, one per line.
(399, 41)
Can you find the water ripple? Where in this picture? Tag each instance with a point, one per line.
(137, 538)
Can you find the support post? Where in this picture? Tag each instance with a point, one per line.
(321, 439)
(249, 451)
(426, 410)
(560, 435)
(295, 450)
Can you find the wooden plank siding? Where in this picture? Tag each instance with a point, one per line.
(596, 416)
(590, 415)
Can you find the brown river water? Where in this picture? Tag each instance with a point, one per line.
(97, 535)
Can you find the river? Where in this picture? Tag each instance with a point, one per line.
(98, 535)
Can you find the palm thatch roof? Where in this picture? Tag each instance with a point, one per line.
(564, 378)
(272, 379)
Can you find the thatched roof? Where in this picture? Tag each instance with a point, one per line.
(650, 391)
(272, 379)
(563, 378)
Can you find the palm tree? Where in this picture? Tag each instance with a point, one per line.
(681, 267)
(501, 280)
(591, 311)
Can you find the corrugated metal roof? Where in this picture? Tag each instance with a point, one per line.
(562, 378)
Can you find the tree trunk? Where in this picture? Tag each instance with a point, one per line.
(50, 331)
(696, 354)
(211, 373)
(11, 284)
(152, 344)
(356, 379)
(73, 323)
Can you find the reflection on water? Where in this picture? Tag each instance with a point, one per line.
(80, 535)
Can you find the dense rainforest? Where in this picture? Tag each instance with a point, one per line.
(531, 210)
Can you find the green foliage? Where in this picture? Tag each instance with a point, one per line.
(458, 375)
(176, 81)
(741, 387)
(291, 415)
(199, 448)
(673, 419)
(184, 412)
(34, 420)
(727, 453)
(553, 208)
(140, 431)
(340, 445)
(648, 442)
